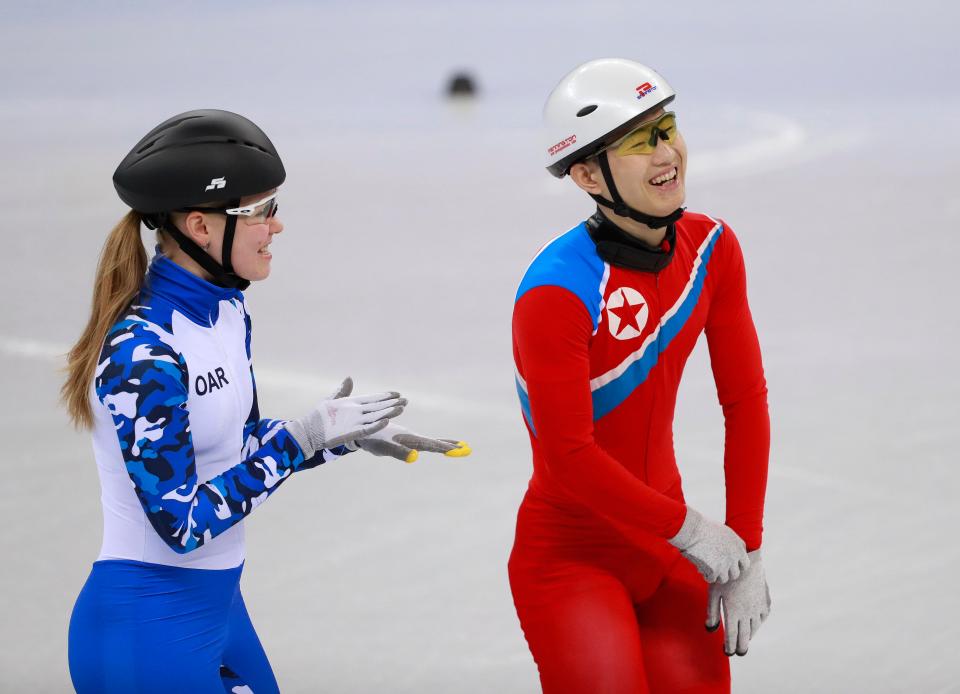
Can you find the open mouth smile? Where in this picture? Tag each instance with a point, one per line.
(664, 178)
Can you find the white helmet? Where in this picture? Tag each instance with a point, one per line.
(597, 104)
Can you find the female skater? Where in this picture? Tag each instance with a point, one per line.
(163, 376)
(613, 576)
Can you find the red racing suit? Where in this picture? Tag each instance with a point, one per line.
(599, 351)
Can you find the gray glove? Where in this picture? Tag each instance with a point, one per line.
(401, 443)
(718, 553)
(746, 605)
(340, 418)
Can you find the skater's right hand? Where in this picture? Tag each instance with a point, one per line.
(718, 553)
(342, 417)
(401, 443)
(745, 603)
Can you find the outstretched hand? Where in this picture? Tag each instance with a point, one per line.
(401, 443)
(342, 417)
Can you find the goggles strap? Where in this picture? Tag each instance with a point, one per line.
(221, 276)
(621, 208)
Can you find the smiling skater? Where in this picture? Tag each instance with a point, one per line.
(614, 577)
(163, 376)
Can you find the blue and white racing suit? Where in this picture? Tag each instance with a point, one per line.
(183, 457)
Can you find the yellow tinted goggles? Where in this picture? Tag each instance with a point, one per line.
(644, 139)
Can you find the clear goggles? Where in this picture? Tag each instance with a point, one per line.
(256, 212)
(644, 139)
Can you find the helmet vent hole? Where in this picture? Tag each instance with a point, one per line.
(586, 110)
(255, 146)
(146, 146)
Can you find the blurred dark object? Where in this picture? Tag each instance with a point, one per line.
(461, 84)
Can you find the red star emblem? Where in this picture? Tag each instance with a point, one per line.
(627, 313)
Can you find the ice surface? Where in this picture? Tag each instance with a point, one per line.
(825, 133)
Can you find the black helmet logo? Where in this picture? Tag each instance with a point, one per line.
(217, 183)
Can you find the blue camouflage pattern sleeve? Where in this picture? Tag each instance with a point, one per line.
(257, 431)
(143, 382)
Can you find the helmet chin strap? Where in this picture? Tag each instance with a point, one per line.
(228, 232)
(223, 275)
(623, 209)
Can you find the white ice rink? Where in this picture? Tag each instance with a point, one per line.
(825, 133)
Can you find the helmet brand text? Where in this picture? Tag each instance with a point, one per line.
(645, 89)
(562, 145)
(217, 183)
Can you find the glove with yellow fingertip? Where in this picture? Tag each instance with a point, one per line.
(401, 443)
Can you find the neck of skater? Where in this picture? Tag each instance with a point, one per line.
(631, 227)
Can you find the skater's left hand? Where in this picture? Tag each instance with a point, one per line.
(746, 604)
(341, 418)
(401, 443)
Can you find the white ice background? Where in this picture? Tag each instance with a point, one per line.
(825, 133)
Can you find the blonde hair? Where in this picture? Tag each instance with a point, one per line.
(120, 273)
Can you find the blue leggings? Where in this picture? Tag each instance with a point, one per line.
(150, 629)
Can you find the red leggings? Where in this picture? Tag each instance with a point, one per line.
(616, 620)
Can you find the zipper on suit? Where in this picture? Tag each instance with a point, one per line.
(226, 361)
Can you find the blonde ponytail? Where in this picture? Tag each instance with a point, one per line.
(120, 273)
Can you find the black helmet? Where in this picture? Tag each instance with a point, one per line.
(196, 158)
